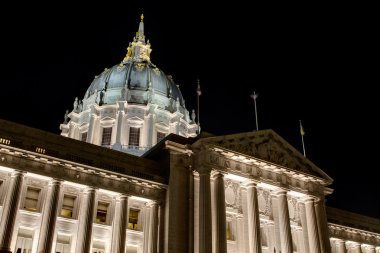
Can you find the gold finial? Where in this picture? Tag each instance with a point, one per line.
(142, 17)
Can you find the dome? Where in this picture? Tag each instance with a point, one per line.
(140, 82)
(131, 106)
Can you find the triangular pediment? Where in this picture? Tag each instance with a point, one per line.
(267, 145)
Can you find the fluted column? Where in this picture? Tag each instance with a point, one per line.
(161, 228)
(220, 213)
(10, 210)
(86, 217)
(312, 228)
(204, 213)
(153, 227)
(240, 233)
(146, 228)
(323, 232)
(49, 217)
(341, 246)
(370, 249)
(90, 132)
(356, 247)
(284, 223)
(253, 218)
(120, 223)
(120, 117)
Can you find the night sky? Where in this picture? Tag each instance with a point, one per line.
(306, 62)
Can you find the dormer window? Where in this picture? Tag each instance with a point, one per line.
(134, 136)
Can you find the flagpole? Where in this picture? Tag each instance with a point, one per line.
(254, 96)
(198, 95)
(303, 143)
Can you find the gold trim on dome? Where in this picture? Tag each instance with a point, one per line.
(140, 66)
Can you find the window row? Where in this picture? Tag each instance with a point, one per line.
(133, 139)
(69, 207)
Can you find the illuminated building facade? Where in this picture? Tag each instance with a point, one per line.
(150, 184)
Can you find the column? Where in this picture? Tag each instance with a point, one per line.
(91, 126)
(86, 218)
(146, 228)
(49, 217)
(10, 210)
(240, 233)
(323, 232)
(356, 247)
(204, 213)
(312, 228)
(119, 125)
(153, 230)
(284, 223)
(161, 228)
(120, 223)
(370, 249)
(341, 246)
(253, 218)
(220, 213)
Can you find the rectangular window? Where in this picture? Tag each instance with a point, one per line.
(134, 136)
(63, 244)
(106, 137)
(84, 136)
(230, 231)
(24, 241)
(68, 206)
(133, 219)
(160, 136)
(101, 212)
(31, 198)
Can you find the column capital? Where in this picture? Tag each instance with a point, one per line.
(151, 203)
(55, 181)
(217, 173)
(123, 196)
(249, 183)
(280, 192)
(90, 189)
(17, 173)
(308, 199)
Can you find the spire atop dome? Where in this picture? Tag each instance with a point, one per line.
(138, 50)
(140, 33)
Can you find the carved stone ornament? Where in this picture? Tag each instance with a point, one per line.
(268, 146)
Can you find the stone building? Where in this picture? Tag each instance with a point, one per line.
(131, 174)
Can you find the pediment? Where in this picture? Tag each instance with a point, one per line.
(269, 146)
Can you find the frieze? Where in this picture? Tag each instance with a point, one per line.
(81, 175)
(347, 233)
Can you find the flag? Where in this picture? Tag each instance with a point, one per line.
(199, 89)
(301, 129)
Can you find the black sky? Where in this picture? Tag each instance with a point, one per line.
(306, 62)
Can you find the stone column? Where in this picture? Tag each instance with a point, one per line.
(86, 218)
(341, 246)
(253, 218)
(147, 229)
(10, 210)
(161, 228)
(323, 232)
(205, 236)
(49, 217)
(284, 223)
(153, 230)
(119, 125)
(312, 228)
(370, 249)
(220, 213)
(240, 233)
(120, 224)
(91, 126)
(356, 247)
